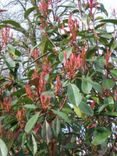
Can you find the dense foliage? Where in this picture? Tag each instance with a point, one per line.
(58, 82)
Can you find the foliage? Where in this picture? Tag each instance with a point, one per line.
(58, 88)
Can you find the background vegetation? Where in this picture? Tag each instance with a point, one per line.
(58, 79)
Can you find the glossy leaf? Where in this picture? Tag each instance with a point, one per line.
(86, 84)
(86, 109)
(77, 111)
(108, 84)
(30, 106)
(97, 87)
(56, 126)
(100, 136)
(62, 115)
(34, 145)
(74, 94)
(46, 132)
(3, 148)
(31, 123)
(114, 73)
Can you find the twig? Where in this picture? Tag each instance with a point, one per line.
(35, 61)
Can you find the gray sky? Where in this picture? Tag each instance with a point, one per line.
(109, 4)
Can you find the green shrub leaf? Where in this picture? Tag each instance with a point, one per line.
(100, 136)
(31, 123)
(3, 148)
(74, 94)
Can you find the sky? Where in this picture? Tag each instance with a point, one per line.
(109, 4)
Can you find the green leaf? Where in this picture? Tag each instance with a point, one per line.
(28, 11)
(108, 84)
(109, 100)
(44, 44)
(100, 136)
(106, 36)
(101, 108)
(12, 22)
(56, 126)
(11, 48)
(113, 114)
(99, 64)
(99, 25)
(113, 21)
(31, 123)
(13, 51)
(77, 111)
(103, 40)
(90, 52)
(113, 44)
(8, 64)
(34, 145)
(3, 148)
(23, 140)
(19, 92)
(86, 84)
(2, 26)
(15, 25)
(61, 56)
(62, 115)
(114, 73)
(17, 52)
(48, 93)
(74, 95)
(46, 132)
(68, 52)
(30, 106)
(97, 87)
(102, 8)
(86, 109)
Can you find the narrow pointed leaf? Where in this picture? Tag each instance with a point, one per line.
(28, 11)
(31, 123)
(34, 145)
